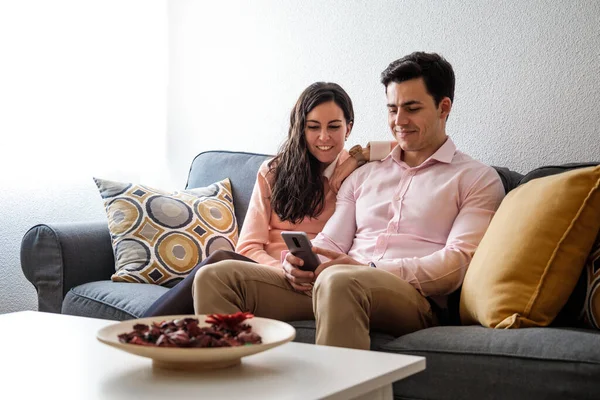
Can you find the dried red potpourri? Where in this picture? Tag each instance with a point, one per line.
(225, 331)
(229, 321)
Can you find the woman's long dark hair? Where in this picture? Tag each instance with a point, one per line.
(297, 186)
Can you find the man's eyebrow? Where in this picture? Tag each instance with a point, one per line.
(410, 103)
(405, 104)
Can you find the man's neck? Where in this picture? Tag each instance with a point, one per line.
(416, 158)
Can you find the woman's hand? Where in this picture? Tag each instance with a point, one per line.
(341, 173)
(344, 169)
(299, 279)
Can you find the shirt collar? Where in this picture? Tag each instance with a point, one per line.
(444, 154)
(327, 172)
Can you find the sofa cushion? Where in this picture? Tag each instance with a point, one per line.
(548, 170)
(510, 179)
(306, 333)
(121, 301)
(117, 301)
(158, 236)
(533, 252)
(482, 363)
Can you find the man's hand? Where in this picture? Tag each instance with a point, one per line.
(335, 258)
(300, 280)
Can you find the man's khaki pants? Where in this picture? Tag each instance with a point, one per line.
(346, 301)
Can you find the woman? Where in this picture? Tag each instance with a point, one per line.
(295, 191)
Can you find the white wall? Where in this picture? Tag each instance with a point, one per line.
(82, 93)
(82, 88)
(527, 72)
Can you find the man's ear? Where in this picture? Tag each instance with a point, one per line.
(445, 106)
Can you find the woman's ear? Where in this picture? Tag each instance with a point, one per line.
(349, 129)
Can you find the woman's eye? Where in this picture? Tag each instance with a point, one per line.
(312, 127)
(335, 126)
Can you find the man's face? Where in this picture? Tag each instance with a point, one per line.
(415, 121)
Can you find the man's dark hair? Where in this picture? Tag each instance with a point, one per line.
(436, 72)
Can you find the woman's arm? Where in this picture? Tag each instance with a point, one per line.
(255, 231)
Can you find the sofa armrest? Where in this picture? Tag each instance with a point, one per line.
(57, 257)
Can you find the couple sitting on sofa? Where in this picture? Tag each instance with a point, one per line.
(396, 239)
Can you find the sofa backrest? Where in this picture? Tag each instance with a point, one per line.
(510, 179)
(241, 168)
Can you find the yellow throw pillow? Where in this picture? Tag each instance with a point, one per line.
(159, 237)
(533, 252)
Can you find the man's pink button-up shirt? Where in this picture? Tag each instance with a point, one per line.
(422, 224)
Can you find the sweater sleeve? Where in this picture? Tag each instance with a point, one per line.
(255, 230)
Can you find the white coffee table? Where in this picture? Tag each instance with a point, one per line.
(51, 356)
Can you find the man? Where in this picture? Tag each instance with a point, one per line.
(403, 232)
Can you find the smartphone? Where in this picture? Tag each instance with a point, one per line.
(300, 246)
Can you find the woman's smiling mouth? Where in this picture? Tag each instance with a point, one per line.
(324, 148)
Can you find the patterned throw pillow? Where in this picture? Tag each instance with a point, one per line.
(159, 237)
(591, 308)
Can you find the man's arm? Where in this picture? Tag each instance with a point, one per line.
(336, 236)
(443, 271)
(338, 233)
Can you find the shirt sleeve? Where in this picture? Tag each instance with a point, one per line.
(255, 231)
(443, 271)
(380, 149)
(338, 233)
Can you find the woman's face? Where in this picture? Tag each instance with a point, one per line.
(326, 130)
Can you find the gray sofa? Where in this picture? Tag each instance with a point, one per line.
(70, 266)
